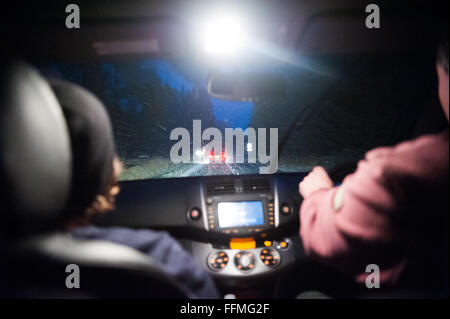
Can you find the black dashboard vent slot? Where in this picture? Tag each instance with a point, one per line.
(220, 188)
(256, 185)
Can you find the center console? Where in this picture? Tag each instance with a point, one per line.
(250, 214)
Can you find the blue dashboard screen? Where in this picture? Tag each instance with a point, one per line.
(240, 214)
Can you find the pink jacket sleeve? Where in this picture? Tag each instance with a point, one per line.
(359, 226)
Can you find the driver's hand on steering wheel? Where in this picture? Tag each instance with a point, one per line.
(317, 179)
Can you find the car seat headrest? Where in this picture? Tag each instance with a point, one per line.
(35, 155)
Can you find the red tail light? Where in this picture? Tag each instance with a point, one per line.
(213, 157)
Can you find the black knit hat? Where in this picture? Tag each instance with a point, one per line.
(92, 143)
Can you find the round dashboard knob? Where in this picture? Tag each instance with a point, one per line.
(217, 260)
(270, 257)
(244, 260)
(195, 213)
(285, 209)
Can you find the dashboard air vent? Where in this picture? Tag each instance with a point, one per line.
(256, 185)
(220, 188)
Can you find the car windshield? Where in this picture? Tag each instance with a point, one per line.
(332, 110)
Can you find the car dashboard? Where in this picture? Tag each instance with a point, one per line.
(243, 230)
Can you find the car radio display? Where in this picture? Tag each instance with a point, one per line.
(240, 214)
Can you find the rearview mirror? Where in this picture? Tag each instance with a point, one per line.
(243, 87)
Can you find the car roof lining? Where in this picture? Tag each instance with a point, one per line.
(311, 28)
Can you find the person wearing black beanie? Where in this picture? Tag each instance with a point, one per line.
(95, 183)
